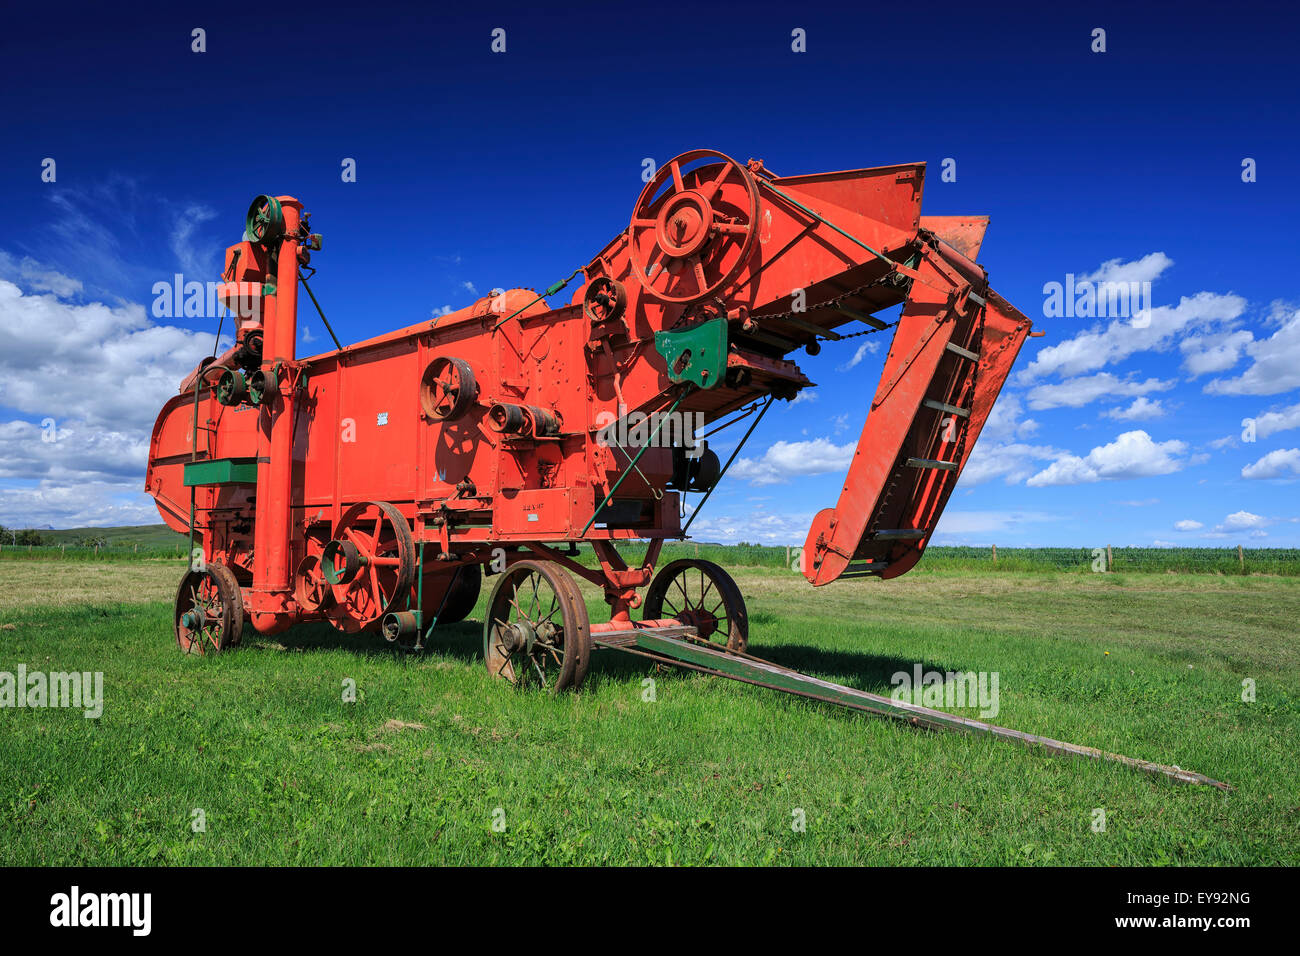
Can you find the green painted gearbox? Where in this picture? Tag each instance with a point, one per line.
(697, 354)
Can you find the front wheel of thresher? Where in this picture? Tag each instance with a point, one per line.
(702, 595)
(209, 614)
(536, 629)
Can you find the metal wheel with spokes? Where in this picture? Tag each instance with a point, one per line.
(370, 565)
(209, 612)
(702, 595)
(310, 589)
(447, 389)
(536, 629)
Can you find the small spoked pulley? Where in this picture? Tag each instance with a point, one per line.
(265, 220)
(232, 388)
(703, 596)
(536, 630)
(370, 564)
(209, 613)
(695, 237)
(447, 389)
(262, 384)
(605, 300)
(310, 589)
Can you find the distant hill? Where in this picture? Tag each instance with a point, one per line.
(145, 535)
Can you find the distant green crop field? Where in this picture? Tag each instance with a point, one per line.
(260, 746)
(152, 542)
(1080, 560)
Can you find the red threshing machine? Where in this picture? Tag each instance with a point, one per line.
(373, 485)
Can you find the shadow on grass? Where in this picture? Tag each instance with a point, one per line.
(869, 672)
(464, 642)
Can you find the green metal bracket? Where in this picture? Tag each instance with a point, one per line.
(697, 355)
(221, 471)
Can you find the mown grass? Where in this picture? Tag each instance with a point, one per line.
(711, 771)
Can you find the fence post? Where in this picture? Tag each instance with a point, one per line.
(1110, 564)
(995, 555)
(1241, 559)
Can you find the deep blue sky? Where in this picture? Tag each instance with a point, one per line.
(513, 169)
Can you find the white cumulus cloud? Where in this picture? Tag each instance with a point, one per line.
(866, 348)
(1276, 365)
(1142, 409)
(1281, 420)
(1281, 463)
(1218, 352)
(84, 382)
(1098, 347)
(1077, 392)
(786, 460)
(1131, 455)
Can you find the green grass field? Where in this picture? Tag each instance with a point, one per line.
(417, 769)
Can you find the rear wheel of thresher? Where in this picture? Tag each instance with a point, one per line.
(370, 565)
(209, 614)
(536, 629)
(702, 595)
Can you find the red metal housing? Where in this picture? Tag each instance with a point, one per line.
(369, 480)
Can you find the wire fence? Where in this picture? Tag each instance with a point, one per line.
(1230, 560)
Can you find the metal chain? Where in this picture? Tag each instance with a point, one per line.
(831, 303)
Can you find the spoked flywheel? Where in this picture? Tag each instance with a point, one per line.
(209, 614)
(694, 230)
(370, 565)
(447, 389)
(536, 629)
(701, 595)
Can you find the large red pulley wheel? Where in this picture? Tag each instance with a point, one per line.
(370, 565)
(696, 238)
